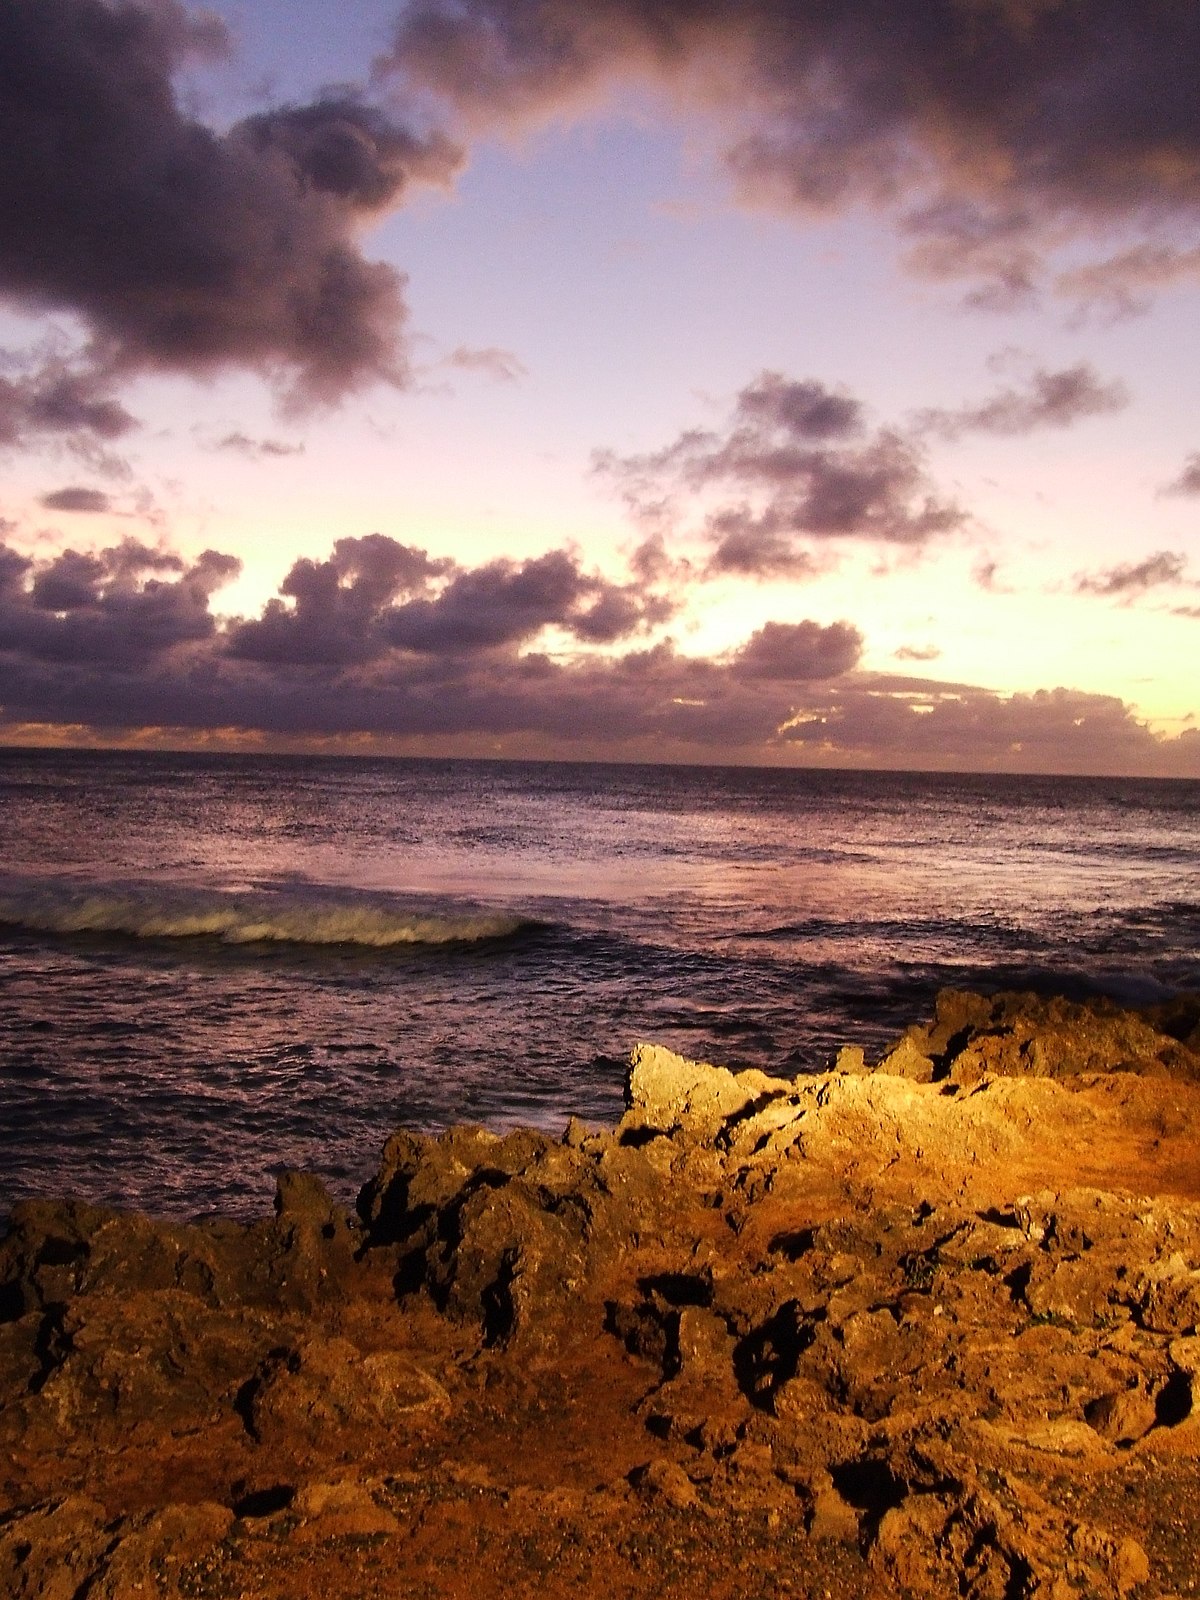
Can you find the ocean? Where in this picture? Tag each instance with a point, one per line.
(214, 967)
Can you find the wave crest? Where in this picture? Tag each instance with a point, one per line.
(297, 915)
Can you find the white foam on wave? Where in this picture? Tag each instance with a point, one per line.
(290, 916)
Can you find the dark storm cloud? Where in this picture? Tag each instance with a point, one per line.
(74, 497)
(1163, 567)
(378, 638)
(1049, 400)
(182, 248)
(795, 462)
(117, 609)
(125, 639)
(996, 123)
(1188, 481)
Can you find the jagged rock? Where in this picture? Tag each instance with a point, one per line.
(341, 1508)
(907, 1061)
(665, 1480)
(21, 1358)
(56, 1250)
(162, 1358)
(1122, 1415)
(1012, 1546)
(1171, 1301)
(324, 1385)
(419, 1177)
(72, 1548)
(53, 1551)
(510, 1260)
(832, 1517)
(699, 1397)
(1024, 1035)
(664, 1092)
(904, 1310)
(311, 1245)
(151, 1550)
(851, 1058)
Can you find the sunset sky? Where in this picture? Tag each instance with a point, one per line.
(773, 381)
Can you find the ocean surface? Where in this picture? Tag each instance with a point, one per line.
(214, 967)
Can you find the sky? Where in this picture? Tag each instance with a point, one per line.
(762, 382)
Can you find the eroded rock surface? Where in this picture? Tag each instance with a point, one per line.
(927, 1328)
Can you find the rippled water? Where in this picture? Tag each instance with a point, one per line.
(211, 967)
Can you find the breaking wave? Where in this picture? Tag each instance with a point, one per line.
(295, 915)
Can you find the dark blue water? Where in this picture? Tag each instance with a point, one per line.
(212, 967)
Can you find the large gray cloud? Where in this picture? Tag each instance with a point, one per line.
(796, 465)
(374, 596)
(333, 610)
(122, 608)
(996, 126)
(381, 638)
(125, 639)
(183, 248)
(505, 603)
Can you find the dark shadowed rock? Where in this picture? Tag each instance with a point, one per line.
(324, 1385)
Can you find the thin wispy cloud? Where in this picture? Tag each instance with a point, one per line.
(917, 652)
(1188, 481)
(242, 444)
(1164, 568)
(502, 366)
(1049, 400)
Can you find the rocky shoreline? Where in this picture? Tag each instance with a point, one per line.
(926, 1327)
